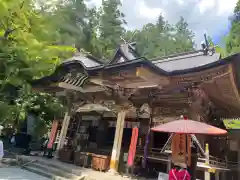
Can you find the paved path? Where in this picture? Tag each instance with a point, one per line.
(13, 173)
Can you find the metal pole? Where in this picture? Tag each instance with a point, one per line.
(165, 145)
(207, 173)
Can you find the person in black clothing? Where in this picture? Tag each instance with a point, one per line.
(22, 140)
(194, 158)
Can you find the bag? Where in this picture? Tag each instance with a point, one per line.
(179, 175)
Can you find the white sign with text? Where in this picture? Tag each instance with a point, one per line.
(162, 176)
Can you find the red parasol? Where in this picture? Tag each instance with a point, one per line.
(189, 127)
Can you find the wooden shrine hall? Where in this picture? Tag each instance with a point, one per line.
(200, 85)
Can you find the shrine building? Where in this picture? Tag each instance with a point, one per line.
(138, 92)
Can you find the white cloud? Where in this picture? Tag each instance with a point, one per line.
(205, 5)
(180, 2)
(146, 12)
(226, 6)
(96, 3)
(209, 15)
(218, 6)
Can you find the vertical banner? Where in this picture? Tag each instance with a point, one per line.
(146, 149)
(179, 148)
(189, 149)
(52, 134)
(132, 147)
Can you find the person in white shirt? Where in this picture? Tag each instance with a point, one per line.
(1, 150)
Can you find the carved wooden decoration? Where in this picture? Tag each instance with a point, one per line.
(200, 105)
(202, 76)
(169, 111)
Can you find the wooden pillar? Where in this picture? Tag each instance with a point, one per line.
(63, 132)
(169, 164)
(238, 156)
(217, 175)
(117, 142)
(207, 173)
(223, 175)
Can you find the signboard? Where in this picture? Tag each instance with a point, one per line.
(179, 148)
(90, 118)
(162, 176)
(232, 123)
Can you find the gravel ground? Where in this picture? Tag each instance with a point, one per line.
(13, 173)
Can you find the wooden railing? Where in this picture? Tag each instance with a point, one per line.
(154, 153)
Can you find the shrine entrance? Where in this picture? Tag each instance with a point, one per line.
(159, 139)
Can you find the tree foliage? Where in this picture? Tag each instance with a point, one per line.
(162, 39)
(233, 38)
(99, 30)
(36, 35)
(27, 51)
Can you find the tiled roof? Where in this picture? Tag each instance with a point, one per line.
(87, 61)
(185, 61)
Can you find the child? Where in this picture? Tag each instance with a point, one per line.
(179, 172)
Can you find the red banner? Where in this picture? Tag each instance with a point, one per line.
(53, 134)
(133, 146)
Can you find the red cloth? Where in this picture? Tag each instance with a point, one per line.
(132, 147)
(53, 134)
(181, 174)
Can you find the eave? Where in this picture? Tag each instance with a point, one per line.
(143, 74)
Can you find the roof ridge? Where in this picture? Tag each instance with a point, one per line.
(119, 49)
(89, 56)
(174, 55)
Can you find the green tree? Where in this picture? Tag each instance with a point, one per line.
(217, 48)
(184, 37)
(77, 25)
(26, 52)
(111, 26)
(233, 38)
(163, 39)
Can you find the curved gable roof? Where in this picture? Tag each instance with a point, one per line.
(172, 65)
(186, 61)
(126, 52)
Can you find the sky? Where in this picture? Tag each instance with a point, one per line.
(210, 16)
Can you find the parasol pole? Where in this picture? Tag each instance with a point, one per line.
(194, 138)
(166, 144)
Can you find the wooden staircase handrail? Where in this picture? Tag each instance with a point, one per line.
(215, 161)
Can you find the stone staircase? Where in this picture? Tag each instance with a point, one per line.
(56, 170)
(51, 170)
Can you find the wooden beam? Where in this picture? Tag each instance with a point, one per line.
(97, 81)
(61, 93)
(148, 75)
(232, 80)
(83, 90)
(140, 85)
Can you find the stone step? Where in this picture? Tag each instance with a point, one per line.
(39, 172)
(55, 170)
(26, 160)
(49, 174)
